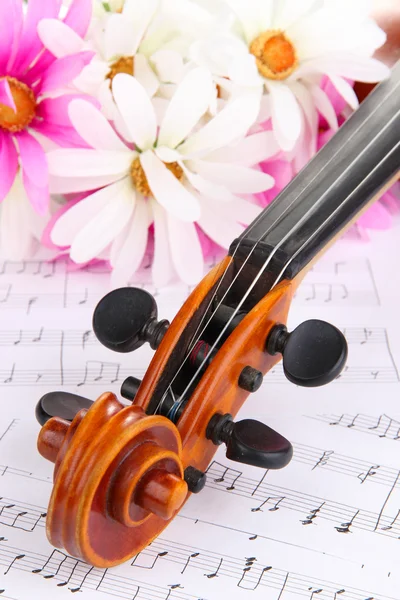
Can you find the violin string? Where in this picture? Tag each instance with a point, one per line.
(293, 230)
(257, 220)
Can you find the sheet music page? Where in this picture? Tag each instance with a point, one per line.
(325, 528)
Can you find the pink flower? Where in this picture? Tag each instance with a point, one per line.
(33, 102)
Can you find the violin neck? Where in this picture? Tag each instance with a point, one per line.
(348, 173)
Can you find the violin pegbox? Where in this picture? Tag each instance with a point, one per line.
(122, 472)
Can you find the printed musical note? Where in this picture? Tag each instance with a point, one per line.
(144, 564)
(312, 515)
(275, 501)
(345, 527)
(323, 460)
(214, 573)
(370, 473)
(190, 557)
(12, 563)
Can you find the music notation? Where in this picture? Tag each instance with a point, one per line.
(63, 571)
(266, 497)
(348, 466)
(381, 426)
(333, 283)
(13, 423)
(305, 532)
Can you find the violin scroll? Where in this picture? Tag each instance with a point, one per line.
(118, 479)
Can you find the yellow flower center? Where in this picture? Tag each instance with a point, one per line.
(140, 180)
(25, 103)
(275, 55)
(125, 64)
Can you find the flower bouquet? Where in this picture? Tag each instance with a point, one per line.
(159, 129)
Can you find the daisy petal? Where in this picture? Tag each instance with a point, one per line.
(206, 188)
(140, 14)
(345, 90)
(162, 268)
(237, 179)
(217, 53)
(145, 75)
(248, 152)
(221, 232)
(232, 123)
(131, 254)
(89, 163)
(324, 106)
(104, 227)
(189, 103)
(186, 252)
(240, 210)
(243, 71)
(288, 12)
(8, 162)
(71, 220)
(17, 242)
(167, 190)
(94, 128)
(168, 65)
(255, 16)
(136, 109)
(118, 37)
(58, 38)
(286, 117)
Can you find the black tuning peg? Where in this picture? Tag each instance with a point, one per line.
(127, 318)
(130, 387)
(60, 404)
(314, 354)
(250, 442)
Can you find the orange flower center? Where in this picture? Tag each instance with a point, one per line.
(125, 64)
(25, 103)
(275, 55)
(140, 180)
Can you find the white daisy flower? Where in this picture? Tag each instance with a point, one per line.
(133, 41)
(287, 45)
(183, 173)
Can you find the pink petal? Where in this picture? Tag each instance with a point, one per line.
(6, 33)
(6, 96)
(55, 110)
(11, 19)
(39, 197)
(8, 162)
(63, 71)
(34, 171)
(337, 101)
(33, 159)
(376, 217)
(66, 137)
(30, 43)
(282, 172)
(79, 16)
(391, 200)
(33, 75)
